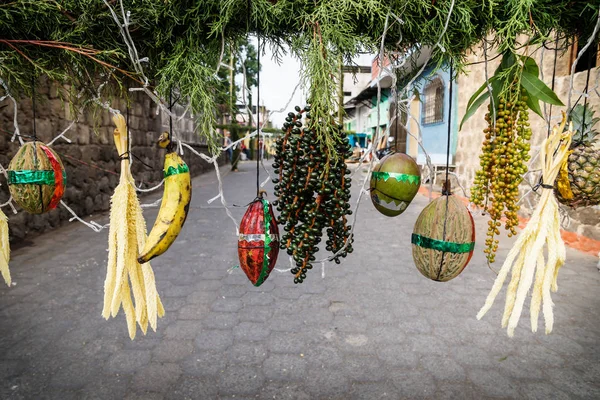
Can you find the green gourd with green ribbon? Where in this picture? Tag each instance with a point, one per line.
(443, 239)
(36, 178)
(394, 183)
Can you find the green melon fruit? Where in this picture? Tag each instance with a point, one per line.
(394, 183)
(35, 162)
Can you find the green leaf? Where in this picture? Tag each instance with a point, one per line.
(530, 66)
(534, 104)
(508, 60)
(478, 92)
(538, 89)
(471, 110)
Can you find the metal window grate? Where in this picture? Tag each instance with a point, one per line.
(433, 103)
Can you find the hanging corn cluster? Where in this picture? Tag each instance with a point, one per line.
(4, 249)
(128, 234)
(542, 230)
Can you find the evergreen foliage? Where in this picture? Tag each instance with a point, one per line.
(78, 43)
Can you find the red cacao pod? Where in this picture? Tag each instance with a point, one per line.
(258, 243)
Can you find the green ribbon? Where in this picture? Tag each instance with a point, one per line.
(448, 247)
(29, 177)
(412, 179)
(180, 169)
(264, 273)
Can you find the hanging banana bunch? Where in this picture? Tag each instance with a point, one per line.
(5, 249)
(542, 230)
(175, 203)
(125, 275)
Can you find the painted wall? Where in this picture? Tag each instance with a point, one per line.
(435, 135)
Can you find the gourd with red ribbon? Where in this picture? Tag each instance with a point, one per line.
(258, 242)
(443, 238)
(36, 178)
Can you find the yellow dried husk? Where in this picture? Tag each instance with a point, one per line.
(127, 233)
(5, 249)
(542, 233)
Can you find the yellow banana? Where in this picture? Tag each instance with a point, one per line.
(174, 206)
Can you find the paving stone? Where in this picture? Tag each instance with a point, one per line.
(216, 320)
(251, 331)
(193, 312)
(573, 383)
(443, 368)
(374, 390)
(112, 386)
(172, 350)
(226, 305)
(373, 328)
(284, 391)
(542, 391)
(492, 383)
(254, 299)
(246, 353)
(453, 390)
(214, 339)
(243, 380)
(398, 355)
(191, 388)
(256, 313)
(201, 297)
(285, 367)
(413, 384)
(156, 377)
(228, 291)
(363, 368)
(327, 383)
(128, 361)
(204, 363)
(180, 330)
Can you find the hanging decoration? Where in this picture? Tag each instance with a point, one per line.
(313, 190)
(127, 234)
(515, 89)
(443, 238)
(395, 182)
(4, 249)
(258, 243)
(578, 184)
(36, 178)
(542, 230)
(174, 206)
(444, 235)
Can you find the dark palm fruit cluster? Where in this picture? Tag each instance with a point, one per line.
(313, 191)
(504, 159)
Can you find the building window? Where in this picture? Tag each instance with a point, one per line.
(433, 102)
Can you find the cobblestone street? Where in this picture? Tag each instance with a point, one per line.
(373, 328)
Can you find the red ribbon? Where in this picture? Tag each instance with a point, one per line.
(59, 184)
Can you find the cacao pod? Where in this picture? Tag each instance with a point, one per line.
(258, 242)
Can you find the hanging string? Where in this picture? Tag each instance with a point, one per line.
(587, 83)
(33, 104)
(449, 126)
(553, 79)
(258, 142)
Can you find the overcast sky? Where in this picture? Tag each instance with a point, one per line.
(277, 82)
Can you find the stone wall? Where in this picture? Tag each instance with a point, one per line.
(91, 160)
(584, 221)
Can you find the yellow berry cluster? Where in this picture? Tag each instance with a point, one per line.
(503, 163)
